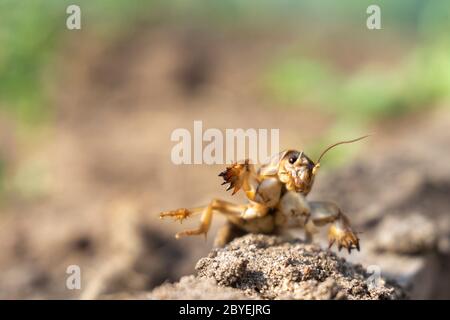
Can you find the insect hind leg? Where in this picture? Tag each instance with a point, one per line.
(216, 205)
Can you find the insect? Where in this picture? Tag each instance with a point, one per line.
(276, 194)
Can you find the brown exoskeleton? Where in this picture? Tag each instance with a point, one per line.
(276, 200)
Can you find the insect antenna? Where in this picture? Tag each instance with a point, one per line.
(334, 145)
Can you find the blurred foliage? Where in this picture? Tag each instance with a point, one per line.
(2, 175)
(26, 43)
(370, 93)
(421, 81)
(30, 31)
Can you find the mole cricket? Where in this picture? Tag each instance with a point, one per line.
(276, 194)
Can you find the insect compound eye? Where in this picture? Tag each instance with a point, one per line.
(293, 158)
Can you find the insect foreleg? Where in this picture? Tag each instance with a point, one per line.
(241, 176)
(340, 231)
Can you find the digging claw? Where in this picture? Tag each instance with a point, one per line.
(234, 175)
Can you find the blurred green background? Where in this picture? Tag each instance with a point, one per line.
(30, 32)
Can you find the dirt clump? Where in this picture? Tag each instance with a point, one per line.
(273, 267)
